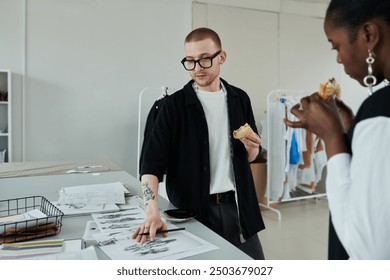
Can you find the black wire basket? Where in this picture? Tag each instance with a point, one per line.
(15, 228)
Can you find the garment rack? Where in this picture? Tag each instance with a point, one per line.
(289, 96)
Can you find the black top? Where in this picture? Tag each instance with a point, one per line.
(378, 104)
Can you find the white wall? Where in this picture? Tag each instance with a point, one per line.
(86, 62)
(252, 56)
(306, 59)
(275, 44)
(79, 65)
(11, 57)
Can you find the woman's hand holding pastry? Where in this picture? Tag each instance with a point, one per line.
(323, 119)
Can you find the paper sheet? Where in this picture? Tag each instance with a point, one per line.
(86, 199)
(117, 228)
(114, 192)
(177, 245)
(34, 215)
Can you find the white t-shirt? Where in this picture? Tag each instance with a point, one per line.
(215, 107)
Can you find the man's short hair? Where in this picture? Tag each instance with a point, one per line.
(203, 33)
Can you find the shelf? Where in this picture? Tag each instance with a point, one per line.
(5, 116)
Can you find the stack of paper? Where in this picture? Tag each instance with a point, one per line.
(80, 254)
(94, 198)
(47, 250)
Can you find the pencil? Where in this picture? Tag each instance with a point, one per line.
(163, 231)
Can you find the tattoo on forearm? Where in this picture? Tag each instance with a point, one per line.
(148, 193)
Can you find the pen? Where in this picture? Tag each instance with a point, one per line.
(163, 231)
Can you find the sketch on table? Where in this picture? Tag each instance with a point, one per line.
(115, 236)
(91, 198)
(151, 247)
(119, 220)
(80, 206)
(122, 220)
(116, 228)
(117, 215)
(177, 245)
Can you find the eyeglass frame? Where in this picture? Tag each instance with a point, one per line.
(211, 57)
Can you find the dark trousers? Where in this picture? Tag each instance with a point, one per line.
(223, 220)
(336, 250)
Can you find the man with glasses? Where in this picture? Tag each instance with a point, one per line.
(207, 170)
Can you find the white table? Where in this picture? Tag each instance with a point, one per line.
(73, 227)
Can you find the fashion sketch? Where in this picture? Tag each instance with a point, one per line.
(151, 247)
(119, 220)
(177, 245)
(116, 228)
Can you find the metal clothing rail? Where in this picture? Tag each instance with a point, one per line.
(279, 96)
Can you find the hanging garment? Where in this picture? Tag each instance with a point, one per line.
(277, 154)
(306, 172)
(320, 159)
(295, 156)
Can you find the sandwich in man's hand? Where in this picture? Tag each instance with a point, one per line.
(242, 131)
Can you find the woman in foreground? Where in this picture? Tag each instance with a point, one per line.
(358, 148)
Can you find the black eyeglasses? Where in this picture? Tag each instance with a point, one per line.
(204, 62)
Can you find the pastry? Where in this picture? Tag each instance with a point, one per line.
(243, 131)
(329, 89)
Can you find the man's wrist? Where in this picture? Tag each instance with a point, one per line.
(258, 156)
(148, 194)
